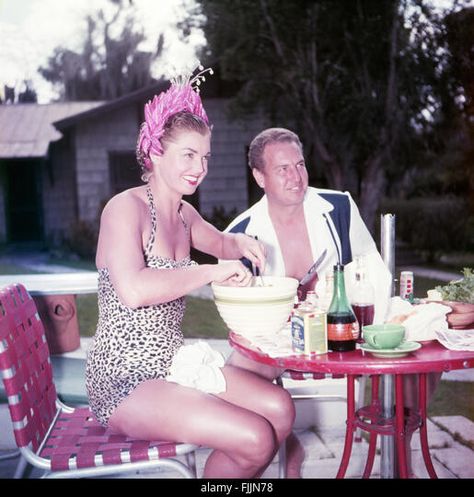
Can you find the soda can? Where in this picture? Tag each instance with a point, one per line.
(407, 285)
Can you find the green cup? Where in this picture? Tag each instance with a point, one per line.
(383, 336)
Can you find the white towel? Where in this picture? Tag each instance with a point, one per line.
(456, 339)
(421, 321)
(198, 366)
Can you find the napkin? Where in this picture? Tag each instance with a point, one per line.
(421, 321)
(275, 345)
(198, 366)
(456, 339)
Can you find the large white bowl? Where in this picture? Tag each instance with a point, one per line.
(256, 310)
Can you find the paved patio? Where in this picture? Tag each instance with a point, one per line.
(319, 426)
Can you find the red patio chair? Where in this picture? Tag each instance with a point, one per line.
(64, 441)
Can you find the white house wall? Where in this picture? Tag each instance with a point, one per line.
(226, 182)
(225, 185)
(116, 131)
(58, 197)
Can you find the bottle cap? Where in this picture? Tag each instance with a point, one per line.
(338, 267)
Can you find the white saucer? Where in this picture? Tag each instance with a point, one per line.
(402, 350)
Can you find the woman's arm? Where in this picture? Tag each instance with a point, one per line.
(120, 250)
(210, 240)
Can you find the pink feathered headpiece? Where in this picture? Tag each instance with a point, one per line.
(182, 95)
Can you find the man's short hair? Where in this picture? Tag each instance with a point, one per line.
(266, 137)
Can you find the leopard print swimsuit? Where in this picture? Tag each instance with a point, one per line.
(132, 345)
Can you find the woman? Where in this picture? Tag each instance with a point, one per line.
(144, 272)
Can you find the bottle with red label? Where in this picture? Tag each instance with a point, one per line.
(342, 325)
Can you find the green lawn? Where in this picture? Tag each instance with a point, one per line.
(201, 319)
(87, 313)
(14, 269)
(453, 398)
(77, 264)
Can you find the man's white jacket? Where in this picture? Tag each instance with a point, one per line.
(334, 223)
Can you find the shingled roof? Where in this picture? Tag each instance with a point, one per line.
(137, 97)
(26, 130)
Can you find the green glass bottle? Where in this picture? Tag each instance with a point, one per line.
(343, 328)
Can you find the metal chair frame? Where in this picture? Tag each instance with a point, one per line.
(63, 441)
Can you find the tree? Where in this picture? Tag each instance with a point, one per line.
(28, 95)
(360, 81)
(460, 39)
(108, 66)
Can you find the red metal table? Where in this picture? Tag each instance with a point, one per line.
(432, 357)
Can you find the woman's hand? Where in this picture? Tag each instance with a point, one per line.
(251, 249)
(232, 273)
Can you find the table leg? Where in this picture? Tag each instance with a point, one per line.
(346, 454)
(400, 427)
(424, 428)
(360, 403)
(387, 445)
(374, 403)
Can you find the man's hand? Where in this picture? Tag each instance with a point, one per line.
(462, 315)
(308, 286)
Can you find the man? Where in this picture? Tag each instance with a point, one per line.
(297, 223)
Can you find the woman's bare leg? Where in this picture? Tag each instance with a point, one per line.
(264, 398)
(245, 440)
(267, 399)
(294, 450)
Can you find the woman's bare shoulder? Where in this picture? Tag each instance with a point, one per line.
(131, 200)
(189, 211)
